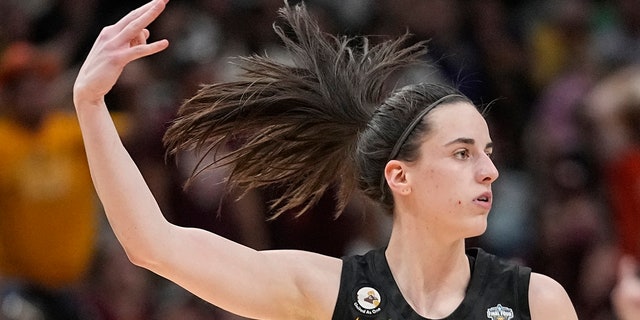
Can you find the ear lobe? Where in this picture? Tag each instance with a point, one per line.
(395, 173)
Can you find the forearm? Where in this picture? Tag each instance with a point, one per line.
(216, 269)
(130, 207)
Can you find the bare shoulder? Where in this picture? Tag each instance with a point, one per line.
(548, 299)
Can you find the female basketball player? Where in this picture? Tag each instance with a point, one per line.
(422, 152)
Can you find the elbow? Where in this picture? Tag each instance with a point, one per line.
(147, 247)
(139, 258)
(146, 260)
(143, 254)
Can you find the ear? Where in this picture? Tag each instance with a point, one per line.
(396, 174)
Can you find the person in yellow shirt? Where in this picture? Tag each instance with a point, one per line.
(48, 219)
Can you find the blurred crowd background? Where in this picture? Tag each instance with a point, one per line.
(561, 77)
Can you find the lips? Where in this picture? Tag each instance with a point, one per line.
(484, 200)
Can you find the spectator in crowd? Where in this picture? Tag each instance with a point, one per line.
(47, 204)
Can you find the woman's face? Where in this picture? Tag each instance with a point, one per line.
(451, 180)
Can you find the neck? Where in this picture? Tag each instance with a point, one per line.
(432, 273)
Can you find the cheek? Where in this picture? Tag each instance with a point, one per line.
(440, 186)
(449, 191)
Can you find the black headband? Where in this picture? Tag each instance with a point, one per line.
(405, 135)
(414, 123)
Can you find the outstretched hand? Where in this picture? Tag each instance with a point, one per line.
(115, 47)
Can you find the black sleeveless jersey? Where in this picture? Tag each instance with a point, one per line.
(497, 290)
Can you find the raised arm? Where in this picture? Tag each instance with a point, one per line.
(261, 285)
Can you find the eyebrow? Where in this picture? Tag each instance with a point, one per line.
(467, 141)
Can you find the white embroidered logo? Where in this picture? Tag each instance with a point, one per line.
(500, 313)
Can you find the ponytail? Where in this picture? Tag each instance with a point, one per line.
(297, 126)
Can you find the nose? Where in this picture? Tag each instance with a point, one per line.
(487, 171)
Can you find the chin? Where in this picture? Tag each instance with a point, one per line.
(478, 227)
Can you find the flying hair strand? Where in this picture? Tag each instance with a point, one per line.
(295, 126)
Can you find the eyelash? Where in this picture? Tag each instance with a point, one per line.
(465, 154)
(462, 154)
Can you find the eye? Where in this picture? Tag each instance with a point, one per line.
(489, 154)
(462, 154)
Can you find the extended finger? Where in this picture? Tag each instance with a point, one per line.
(124, 21)
(133, 28)
(144, 50)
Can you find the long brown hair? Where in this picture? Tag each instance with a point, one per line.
(297, 126)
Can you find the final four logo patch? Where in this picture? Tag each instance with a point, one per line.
(500, 313)
(368, 300)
